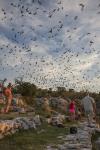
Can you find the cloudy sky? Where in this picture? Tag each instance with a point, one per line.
(51, 42)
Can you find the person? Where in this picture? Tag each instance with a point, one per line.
(89, 106)
(79, 114)
(2, 82)
(0, 90)
(9, 97)
(72, 110)
(46, 105)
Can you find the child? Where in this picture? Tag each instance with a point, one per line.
(46, 106)
(72, 110)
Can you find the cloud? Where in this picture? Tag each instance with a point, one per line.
(51, 44)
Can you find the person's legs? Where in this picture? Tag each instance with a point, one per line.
(9, 100)
(89, 115)
(72, 116)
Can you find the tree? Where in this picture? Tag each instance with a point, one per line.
(61, 89)
(25, 88)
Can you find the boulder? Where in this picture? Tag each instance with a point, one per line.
(59, 103)
(57, 120)
(8, 127)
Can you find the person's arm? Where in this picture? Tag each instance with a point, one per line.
(82, 103)
(94, 106)
(82, 107)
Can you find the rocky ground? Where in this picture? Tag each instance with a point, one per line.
(78, 141)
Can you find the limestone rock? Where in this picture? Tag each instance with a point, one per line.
(8, 127)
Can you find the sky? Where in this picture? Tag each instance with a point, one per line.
(51, 43)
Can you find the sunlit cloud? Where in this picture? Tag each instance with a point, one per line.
(51, 44)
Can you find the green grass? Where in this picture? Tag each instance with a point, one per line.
(33, 139)
(94, 138)
(13, 115)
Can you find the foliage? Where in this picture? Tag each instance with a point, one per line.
(25, 88)
(33, 139)
(30, 90)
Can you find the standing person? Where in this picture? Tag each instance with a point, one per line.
(72, 110)
(0, 90)
(2, 97)
(9, 97)
(46, 105)
(89, 108)
(2, 82)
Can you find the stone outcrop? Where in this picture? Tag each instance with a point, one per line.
(57, 120)
(55, 102)
(8, 127)
(79, 141)
(59, 103)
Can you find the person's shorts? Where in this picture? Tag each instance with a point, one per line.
(89, 113)
(71, 110)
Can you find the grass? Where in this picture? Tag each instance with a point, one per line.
(94, 138)
(33, 139)
(13, 115)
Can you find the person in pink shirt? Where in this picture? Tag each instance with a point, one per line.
(72, 110)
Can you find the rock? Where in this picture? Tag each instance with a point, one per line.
(60, 137)
(8, 127)
(59, 103)
(37, 120)
(79, 141)
(23, 124)
(57, 120)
